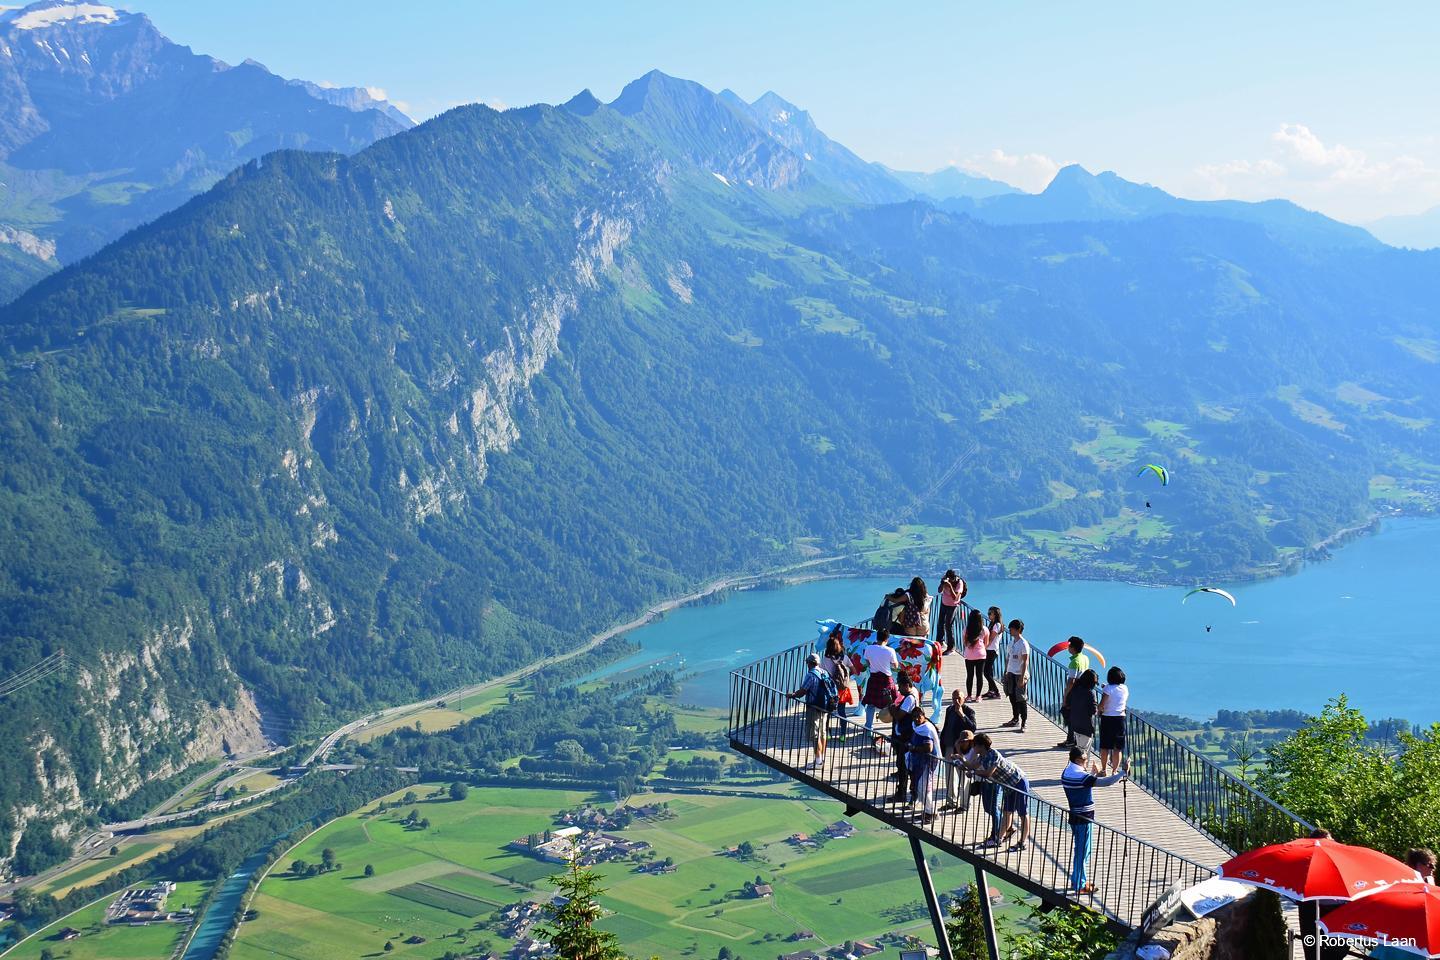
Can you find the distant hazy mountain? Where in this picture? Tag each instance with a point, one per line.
(357, 99)
(828, 162)
(1078, 195)
(105, 124)
(949, 183)
(1418, 231)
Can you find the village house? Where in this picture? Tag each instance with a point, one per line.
(586, 847)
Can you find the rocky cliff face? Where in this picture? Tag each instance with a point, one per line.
(145, 728)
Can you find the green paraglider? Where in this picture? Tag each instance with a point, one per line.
(1158, 470)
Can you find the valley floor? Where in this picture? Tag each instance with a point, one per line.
(446, 887)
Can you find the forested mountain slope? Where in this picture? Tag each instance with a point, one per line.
(347, 430)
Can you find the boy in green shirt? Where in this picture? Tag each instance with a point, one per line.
(1079, 663)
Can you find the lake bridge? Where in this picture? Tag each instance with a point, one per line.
(1176, 819)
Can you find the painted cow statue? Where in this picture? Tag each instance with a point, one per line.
(920, 657)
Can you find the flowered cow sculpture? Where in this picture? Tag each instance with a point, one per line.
(920, 658)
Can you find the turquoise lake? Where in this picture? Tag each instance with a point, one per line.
(1365, 623)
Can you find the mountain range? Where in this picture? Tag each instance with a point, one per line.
(344, 430)
(1075, 194)
(106, 124)
(1418, 231)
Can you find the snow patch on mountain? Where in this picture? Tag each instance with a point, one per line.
(65, 13)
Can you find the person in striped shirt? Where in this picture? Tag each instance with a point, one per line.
(1080, 778)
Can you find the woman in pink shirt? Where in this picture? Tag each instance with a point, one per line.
(972, 648)
(952, 591)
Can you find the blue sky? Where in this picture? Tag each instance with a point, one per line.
(1334, 106)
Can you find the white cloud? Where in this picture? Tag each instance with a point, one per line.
(1028, 171)
(377, 93)
(1221, 176)
(1338, 179)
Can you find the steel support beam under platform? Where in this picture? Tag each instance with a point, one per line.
(987, 916)
(937, 916)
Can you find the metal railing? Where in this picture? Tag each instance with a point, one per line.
(1204, 794)
(1207, 796)
(767, 723)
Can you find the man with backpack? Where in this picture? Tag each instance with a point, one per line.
(821, 697)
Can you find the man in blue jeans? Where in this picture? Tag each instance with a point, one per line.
(1080, 779)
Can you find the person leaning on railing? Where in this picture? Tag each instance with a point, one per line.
(1014, 787)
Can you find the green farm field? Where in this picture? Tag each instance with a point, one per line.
(450, 879)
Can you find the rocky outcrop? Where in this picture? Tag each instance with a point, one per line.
(28, 243)
(145, 729)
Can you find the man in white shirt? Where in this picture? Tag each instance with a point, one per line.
(1017, 675)
(880, 663)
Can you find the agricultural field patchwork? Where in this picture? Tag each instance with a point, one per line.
(443, 889)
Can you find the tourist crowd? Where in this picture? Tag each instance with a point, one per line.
(1094, 714)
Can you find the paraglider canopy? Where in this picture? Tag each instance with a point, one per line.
(1215, 590)
(1158, 470)
(1090, 650)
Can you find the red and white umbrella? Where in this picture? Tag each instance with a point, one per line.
(1318, 869)
(1405, 917)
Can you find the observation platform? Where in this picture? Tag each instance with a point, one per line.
(1168, 828)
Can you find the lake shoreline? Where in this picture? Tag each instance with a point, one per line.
(1320, 552)
(1283, 647)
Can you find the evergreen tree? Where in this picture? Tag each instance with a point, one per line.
(571, 931)
(965, 927)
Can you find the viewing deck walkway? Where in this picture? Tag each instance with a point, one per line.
(1177, 819)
